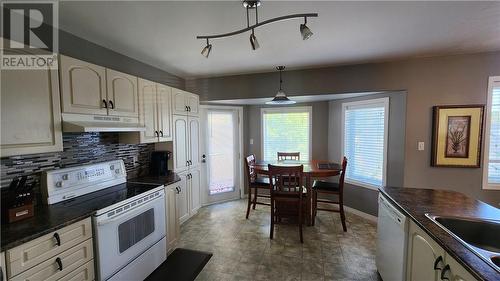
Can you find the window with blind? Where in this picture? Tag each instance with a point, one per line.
(491, 167)
(365, 141)
(286, 130)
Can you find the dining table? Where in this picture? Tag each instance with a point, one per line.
(312, 169)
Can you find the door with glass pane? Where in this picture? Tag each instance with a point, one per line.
(221, 150)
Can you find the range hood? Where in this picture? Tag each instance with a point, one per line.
(76, 123)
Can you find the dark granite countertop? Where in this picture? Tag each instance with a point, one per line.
(415, 203)
(53, 217)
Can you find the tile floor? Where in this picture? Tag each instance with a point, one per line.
(243, 251)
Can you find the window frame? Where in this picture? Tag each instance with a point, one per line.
(285, 110)
(368, 103)
(492, 81)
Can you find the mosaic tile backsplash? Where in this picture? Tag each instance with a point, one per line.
(79, 148)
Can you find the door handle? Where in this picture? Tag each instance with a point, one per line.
(105, 103)
(112, 106)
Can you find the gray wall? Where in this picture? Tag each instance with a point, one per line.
(79, 48)
(319, 140)
(458, 79)
(362, 198)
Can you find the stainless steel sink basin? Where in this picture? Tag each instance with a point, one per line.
(480, 236)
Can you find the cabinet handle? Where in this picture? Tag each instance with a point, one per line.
(105, 103)
(58, 239)
(161, 133)
(178, 189)
(437, 262)
(112, 106)
(156, 134)
(186, 108)
(443, 273)
(189, 108)
(59, 263)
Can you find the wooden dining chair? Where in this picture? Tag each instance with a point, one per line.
(333, 188)
(254, 184)
(288, 195)
(288, 156)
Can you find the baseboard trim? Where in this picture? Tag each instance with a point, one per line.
(360, 213)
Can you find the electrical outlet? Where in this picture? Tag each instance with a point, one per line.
(251, 141)
(421, 145)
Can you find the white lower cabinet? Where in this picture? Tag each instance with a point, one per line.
(194, 188)
(2, 266)
(172, 217)
(188, 198)
(182, 198)
(427, 261)
(65, 254)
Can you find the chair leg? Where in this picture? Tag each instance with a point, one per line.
(314, 206)
(255, 199)
(272, 219)
(249, 201)
(342, 214)
(300, 222)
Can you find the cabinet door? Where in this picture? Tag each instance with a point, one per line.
(83, 273)
(172, 216)
(195, 186)
(179, 102)
(30, 112)
(83, 87)
(148, 110)
(180, 142)
(182, 198)
(164, 98)
(194, 142)
(423, 251)
(122, 94)
(193, 102)
(457, 272)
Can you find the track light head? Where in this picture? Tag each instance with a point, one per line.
(206, 51)
(305, 31)
(253, 42)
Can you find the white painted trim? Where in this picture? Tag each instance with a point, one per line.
(286, 110)
(493, 81)
(361, 214)
(364, 104)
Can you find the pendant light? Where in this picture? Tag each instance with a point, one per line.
(280, 98)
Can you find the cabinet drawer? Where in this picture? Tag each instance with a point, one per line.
(83, 273)
(50, 269)
(43, 248)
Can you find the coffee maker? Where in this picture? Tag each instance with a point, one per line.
(159, 163)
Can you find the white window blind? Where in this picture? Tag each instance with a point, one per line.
(365, 141)
(493, 135)
(286, 130)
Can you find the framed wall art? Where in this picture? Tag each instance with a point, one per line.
(456, 136)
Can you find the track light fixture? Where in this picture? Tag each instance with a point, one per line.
(253, 41)
(280, 98)
(305, 31)
(253, 5)
(206, 51)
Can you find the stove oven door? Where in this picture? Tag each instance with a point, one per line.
(128, 230)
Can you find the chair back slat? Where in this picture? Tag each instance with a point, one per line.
(286, 180)
(288, 156)
(342, 174)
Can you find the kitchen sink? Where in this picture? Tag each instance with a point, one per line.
(479, 235)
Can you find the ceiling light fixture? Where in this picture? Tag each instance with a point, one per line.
(305, 31)
(254, 4)
(280, 98)
(206, 51)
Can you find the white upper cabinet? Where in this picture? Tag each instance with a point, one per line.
(164, 98)
(184, 103)
(30, 112)
(193, 103)
(194, 142)
(122, 94)
(83, 87)
(148, 114)
(181, 144)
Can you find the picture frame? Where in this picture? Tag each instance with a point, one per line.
(457, 135)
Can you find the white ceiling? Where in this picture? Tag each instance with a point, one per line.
(298, 99)
(162, 33)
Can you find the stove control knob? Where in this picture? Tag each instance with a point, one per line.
(112, 167)
(65, 177)
(117, 171)
(59, 184)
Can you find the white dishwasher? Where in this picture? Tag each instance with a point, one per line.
(392, 233)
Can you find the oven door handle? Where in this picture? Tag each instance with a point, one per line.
(134, 210)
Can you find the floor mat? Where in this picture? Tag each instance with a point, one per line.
(181, 265)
